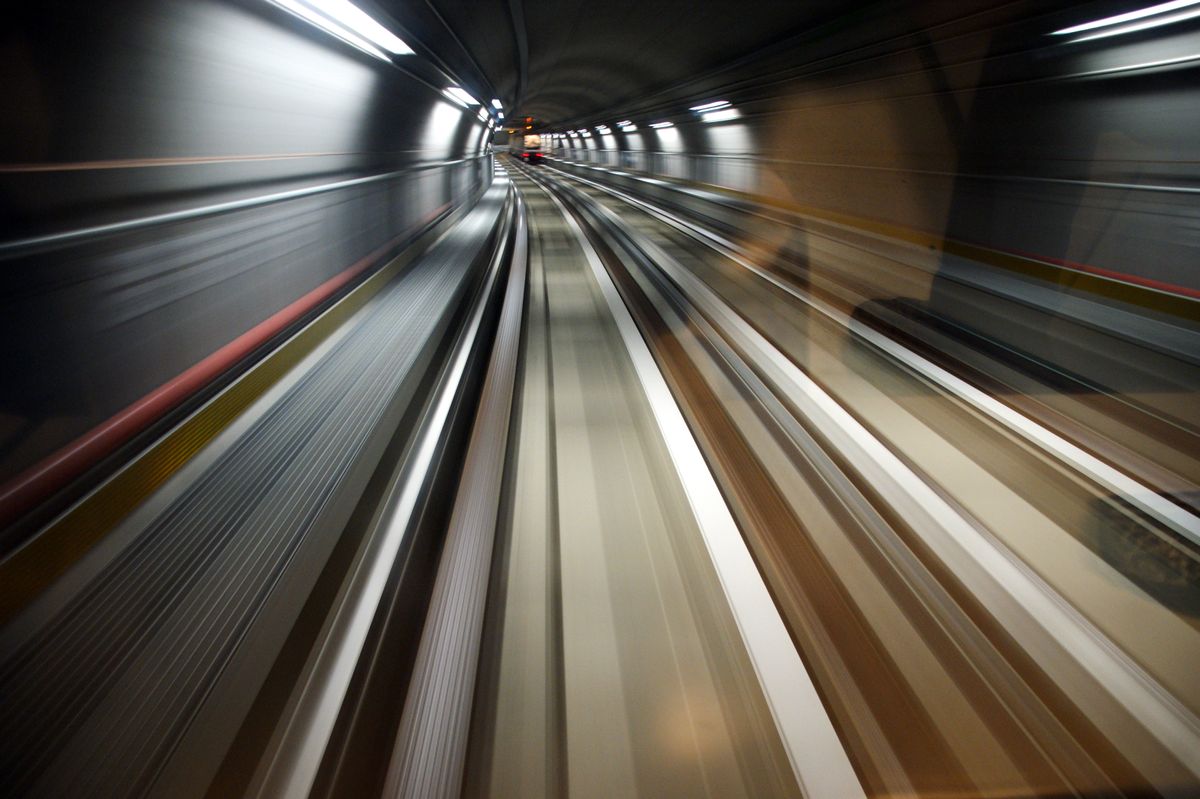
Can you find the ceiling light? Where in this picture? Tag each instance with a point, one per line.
(713, 106)
(661, 125)
(1153, 22)
(720, 115)
(603, 130)
(349, 23)
(459, 96)
(1162, 8)
(496, 103)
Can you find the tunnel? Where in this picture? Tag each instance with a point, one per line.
(621, 398)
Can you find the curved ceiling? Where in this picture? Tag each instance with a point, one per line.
(563, 60)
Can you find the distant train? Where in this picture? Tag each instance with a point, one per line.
(531, 149)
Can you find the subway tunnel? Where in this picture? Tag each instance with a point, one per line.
(512, 398)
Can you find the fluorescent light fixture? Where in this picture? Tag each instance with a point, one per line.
(459, 96)
(496, 103)
(603, 130)
(720, 115)
(483, 115)
(627, 126)
(661, 125)
(308, 15)
(1161, 8)
(713, 106)
(1153, 22)
(349, 23)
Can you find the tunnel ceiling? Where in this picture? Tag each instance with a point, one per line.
(560, 61)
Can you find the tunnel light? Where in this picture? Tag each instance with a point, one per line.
(603, 130)
(713, 106)
(1142, 13)
(349, 23)
(661, 125)
(483, 115)
(496, 103)
(460, 96)
(1154, 22)
(627, 126)
(720, 115)
(329, 26)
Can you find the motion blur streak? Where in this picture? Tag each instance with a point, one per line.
(744, 399)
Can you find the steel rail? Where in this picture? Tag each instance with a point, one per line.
(819, 761)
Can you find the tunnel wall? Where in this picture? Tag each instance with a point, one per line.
(1039, 202)
(290, 161)
(1070, 153)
